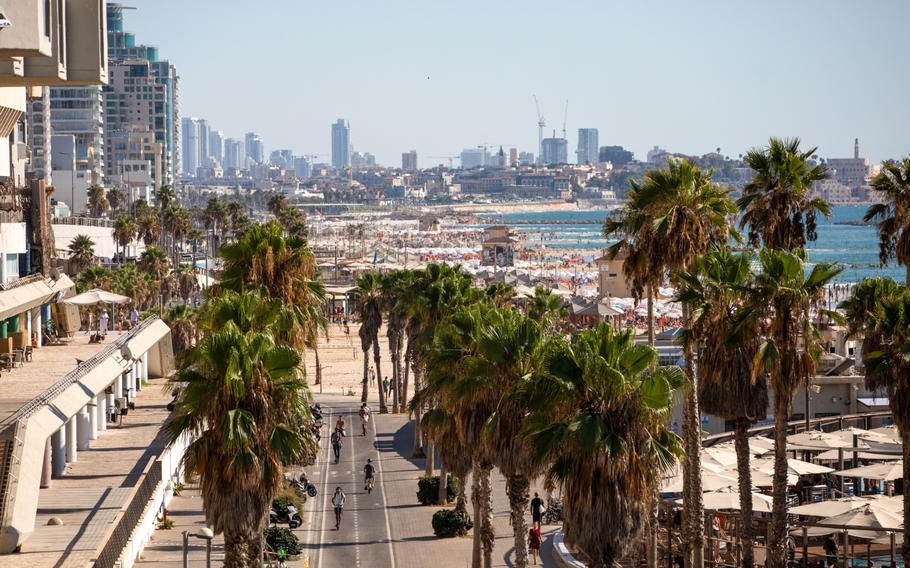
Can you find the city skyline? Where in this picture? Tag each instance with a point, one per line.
(751, 72)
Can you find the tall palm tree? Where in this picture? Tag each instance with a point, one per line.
(601, 422)
(727, 334)
(369, 309)
(781, 213)
(892, 216)
(184, 328)
(546, 307)
(164, 197)
(214, 218)
(149, 229)
(124, 233)
(176, 222)
(394, 286)
(116, 198)
(93, 277)
(97, 201)
(880, 310)
(241, 400)
(789, 354)
(277, 203)
(82, 252)
(153, 261)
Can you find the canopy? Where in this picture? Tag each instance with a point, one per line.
(796, 467)
(816, 440)
(867, 522)
(727, 499)
(710, 481)
(761, 478)
(96, 296)
(884, 471)
(840, 506)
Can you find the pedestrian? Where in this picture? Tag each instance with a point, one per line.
(336, 444)
(338, 501)
(372, 375)
(830, 548)
(534, 542)
(386, 386)
(364, 417)
(134, 317)
(339, 425)
(536, 510)
(102, 323)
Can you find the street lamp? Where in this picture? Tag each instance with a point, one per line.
(205, 534)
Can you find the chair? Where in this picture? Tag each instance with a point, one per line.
(6, 361)
(28, 352)
(18, 357)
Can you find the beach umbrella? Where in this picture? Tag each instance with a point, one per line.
(795, 467)
(888, 471)
(867, 522)
(835, 507)
(764, 479)
(96, 296)
(724, 457)
(888, 432)
(817, 440)
(833, 456)
(710, 481)
(727, 499)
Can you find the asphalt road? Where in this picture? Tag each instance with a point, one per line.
(364, 539)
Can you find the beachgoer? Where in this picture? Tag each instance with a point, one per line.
(338, 501)
(364, 417)
(134, 317)
(536, 510)
(102, 323)
(372, 375)
(534, 542)
(336, 440)
(386, 386)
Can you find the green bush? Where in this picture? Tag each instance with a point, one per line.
(428, 489)
(280, 537)
(447, 523)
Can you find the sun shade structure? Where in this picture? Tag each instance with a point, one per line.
(95, 297)
(836, 507)
(884, 471)
(867, 522)
(816, 440)
(727, 499)
(710, 481)
(795, 467)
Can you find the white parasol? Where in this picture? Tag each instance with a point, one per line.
(95, 297)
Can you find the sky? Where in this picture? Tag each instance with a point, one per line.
(439, 75)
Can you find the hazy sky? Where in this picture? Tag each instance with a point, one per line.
(439, 76)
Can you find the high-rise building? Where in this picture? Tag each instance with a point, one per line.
(140, 156)
(302, 167)
(514, 157)
(363, 160)
(341, 144)
(234, 154)
(203, 142)
(255, 151)
(141, 93)
(284, 159)
(191, 155)
(616, 155)
(216, 145)
(409, 161)
(555, 151)
(474, 157)
(526, 158)
(587, 146)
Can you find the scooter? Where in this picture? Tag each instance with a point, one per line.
(291, 517)
(303, 486)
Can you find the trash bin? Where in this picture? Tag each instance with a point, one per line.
(13, 324)
(3, 329)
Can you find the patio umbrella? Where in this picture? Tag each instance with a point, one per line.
(727, 499)
(868, 522)
(887, 471)
(835, 507)
(710, 481)
(796, 467)
(816, 440)
(764, 478)
(95, 297)
(833, 456)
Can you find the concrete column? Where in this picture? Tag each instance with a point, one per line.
(92, 408)
(134, 373)
(58, 451)
(83, 428)
(101, 401)
(38, 325)
(145, 365)
(111, 405)
(47, 466)
(118, 387)
(71, 440)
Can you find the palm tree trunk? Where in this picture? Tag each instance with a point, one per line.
(377, 360)
(777, 533)
(476, 490)
(403, 388)
(418, 441)
(905, 440)
(242, 550)
(431, 456)
(393, 351)
(366, 370)
(651, 316)
(743, 456)
(318, 364)
(461, 501)
(694, 508)
(487, 532)
(518, 486)
(442, 497)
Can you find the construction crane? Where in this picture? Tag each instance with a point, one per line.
(541, 123)
(565, 117)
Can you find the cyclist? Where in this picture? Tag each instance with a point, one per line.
(338, 501)
(368, 471)
(337, 438)
(364, 417)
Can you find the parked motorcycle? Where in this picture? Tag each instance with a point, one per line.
(291, 517)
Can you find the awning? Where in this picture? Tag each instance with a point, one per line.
(872, 401)
(25, 297)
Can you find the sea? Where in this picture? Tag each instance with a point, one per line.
(855, 247)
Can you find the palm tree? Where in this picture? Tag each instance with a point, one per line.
(277, 203)
(893, 215)
(727, 335)
(214, 217)
(164, 197)
(394, 285)
(176, 222)
(789, 354)
(82, 252)
(93, 277)
(149, 228)
(601, 422)
(184, 329)
(124, 233)
(546, 307)
(500, 293)
(241, 400)
(780, 212)
(369, 310)
(153, 262)
(183, 279)
(880, 310)
(97, 202)
(116, 198)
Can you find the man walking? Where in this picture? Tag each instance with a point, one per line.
(338, 501)
(385, 386)
(336, 444)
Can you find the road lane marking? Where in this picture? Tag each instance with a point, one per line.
(325, 486)
(385, 501)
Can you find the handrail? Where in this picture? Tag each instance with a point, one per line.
(81, 369)
(21, 281)
(799, 425)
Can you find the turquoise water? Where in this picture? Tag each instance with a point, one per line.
(855, 247)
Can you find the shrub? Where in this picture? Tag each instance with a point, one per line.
(280, 537)
(447, 523)
(428, 489)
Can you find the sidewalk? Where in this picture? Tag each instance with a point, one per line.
(95, 487)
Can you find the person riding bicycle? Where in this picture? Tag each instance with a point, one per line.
(364, 417)
(336, 440)
(368, 472)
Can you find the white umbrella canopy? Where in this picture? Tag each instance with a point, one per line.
(710, 481)
(867, 522)
(833, 456)
(795, 467)
(758, 446)
(725, 457)
(765, 479)
(96, 296)
(835, 507)
(888, 432)
(727, 499)
(887, 471)
(816, 440)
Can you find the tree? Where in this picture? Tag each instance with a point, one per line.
(176, 221)
(786, 293)
(395, 285)
(214, 218)
(727, 334)
(277, 203)
(93, 277)
(780, 212)
(500, 293)
(600, 421)
(124, 233)
(153, 262)
(116, 198)
(546, 307)
(892, 216)
(184, 330)
(880, 310)
(369, 310)
(241, 401)
(97, 202)
(149, 229)
(164, 197)
(82, 252)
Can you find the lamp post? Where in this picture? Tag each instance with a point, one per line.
(205, 534)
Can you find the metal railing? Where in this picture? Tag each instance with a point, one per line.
(83, 221)
(21, 281)
(796, 426)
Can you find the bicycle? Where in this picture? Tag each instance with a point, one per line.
(369, 485)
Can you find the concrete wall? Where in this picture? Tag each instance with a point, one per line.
(103, 237)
